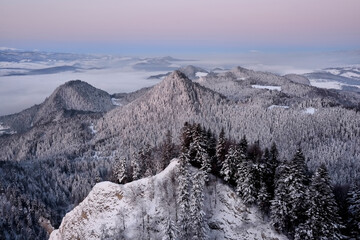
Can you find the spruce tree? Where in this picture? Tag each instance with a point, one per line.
(171, 231)
(227, 166)
(198, 150)
(323, 221)
(183, 199)
(297, 189)
(280, 205)
(198, 221)
(120, 171)
(167, 149)
(220, 151)
(354, 210)
(246, 187)
(263, 199)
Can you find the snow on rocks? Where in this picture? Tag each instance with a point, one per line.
(141, 209)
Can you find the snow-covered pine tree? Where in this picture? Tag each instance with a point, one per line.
(197, 213)
(167, 149)
(183, 198)
(198, 149)
(353, 200)
(227, 166)
(171, 231)
(243, 145)
(323, 221)
(186, 136)
(137, 167)
(221, 150)
(280, 205)
(246, 184)
(297, 189)
(271, 163)
(120, 170)
(263, 199)
(211, 146)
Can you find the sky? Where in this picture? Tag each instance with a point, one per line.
(171, 26)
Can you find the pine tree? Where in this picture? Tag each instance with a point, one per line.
(120, 172)
(220, 150)
(280, 205)
(167, 149)
(186, 137)
(171, 231)
(270, 165)
(137, 167)
(243, 145)
(323, 221)
(353, 200)
(263, 199)
(196, 207)
(199, 151)
(297, 189)
(183, 199)
(227, 166)
(248, 185)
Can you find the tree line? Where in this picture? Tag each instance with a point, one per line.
(300, 203)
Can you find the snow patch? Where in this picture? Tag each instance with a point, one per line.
(350, 75)
(333, 71)
(201, 74)
(276, 88)
(278, 106)
(310, 110)
(116, 102)
(92, 129)
(5, 130)
(325, 84)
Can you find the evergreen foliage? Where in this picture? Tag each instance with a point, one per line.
(322, 221)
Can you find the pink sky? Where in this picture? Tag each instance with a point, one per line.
(217, 22)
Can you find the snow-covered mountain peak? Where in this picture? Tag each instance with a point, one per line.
(73, 96)
(143, 208)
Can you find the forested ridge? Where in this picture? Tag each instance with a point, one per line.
(49, 167)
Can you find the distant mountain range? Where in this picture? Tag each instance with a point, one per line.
(343, 78)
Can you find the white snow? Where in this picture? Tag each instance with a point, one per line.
(119, 211)
(278, 106)
(333, 71)
(276, 88)
(201, 74)
(5, 129)
(325, 84)
(310, 110)
(92, 129)
(350, 75)
(115, 101)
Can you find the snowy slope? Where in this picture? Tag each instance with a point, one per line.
(141, 209)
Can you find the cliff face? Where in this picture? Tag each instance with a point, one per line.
(142, 210)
